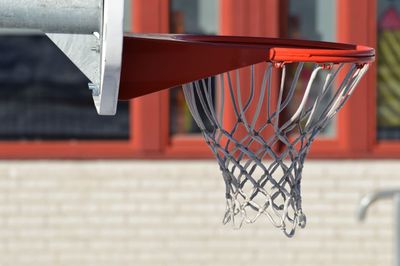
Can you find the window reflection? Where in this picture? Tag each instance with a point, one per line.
(388, 111)
(312, 20)
(190, 17)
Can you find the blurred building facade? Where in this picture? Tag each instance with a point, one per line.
(153, 209)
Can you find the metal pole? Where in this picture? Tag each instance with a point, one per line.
(397, 229)
(52, 16)
(369, 199)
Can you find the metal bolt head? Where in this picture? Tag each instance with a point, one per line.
(96, 49)
(94, 88)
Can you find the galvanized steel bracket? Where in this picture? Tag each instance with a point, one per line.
(88, 32)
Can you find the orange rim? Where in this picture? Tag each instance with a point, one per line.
(292, 50)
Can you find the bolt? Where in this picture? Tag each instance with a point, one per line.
(279, 64)
(94, 88)
(327, 66)
(96, 49)
(96, 34)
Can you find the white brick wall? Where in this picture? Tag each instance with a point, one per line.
(169, 213)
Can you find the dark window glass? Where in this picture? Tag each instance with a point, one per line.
(43, 96)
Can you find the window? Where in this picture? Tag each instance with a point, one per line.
(388, 70)
(352, 135)
(190, 17)
(45, 97)
(312, 20)
(47, 110)
(54, 115)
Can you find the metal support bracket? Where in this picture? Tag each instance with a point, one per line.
(88, 32)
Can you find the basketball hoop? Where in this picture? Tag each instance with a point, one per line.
(272, 188)
(261, 180)
(261, 151)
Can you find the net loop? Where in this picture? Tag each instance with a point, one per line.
(261, 146)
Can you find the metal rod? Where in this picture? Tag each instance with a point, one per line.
(52, 16)
(397, 229)
(369, 199)
(372, 197)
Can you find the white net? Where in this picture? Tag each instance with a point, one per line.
(261, 150)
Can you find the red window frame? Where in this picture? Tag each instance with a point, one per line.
(149, 115)
(378, 148)
(357, 23)
(356, 124)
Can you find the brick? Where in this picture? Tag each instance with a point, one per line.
(169, 213)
